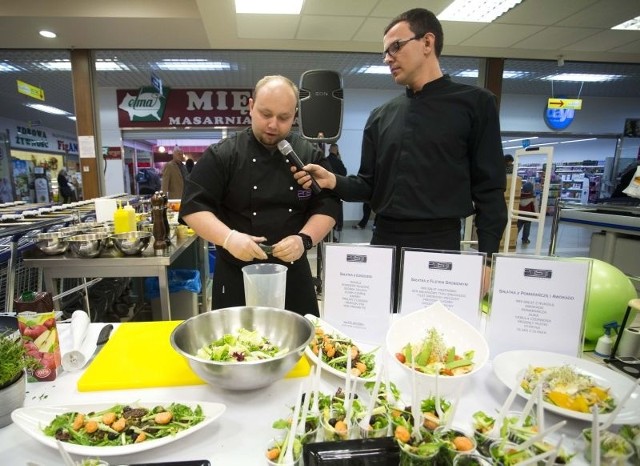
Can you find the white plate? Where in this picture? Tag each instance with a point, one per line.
(33, 419)
(507, 365)
(328, 329)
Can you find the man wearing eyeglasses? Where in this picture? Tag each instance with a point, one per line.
(431, 156)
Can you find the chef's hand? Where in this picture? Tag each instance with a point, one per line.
(245, 247)
(289, 249)
(323, 177)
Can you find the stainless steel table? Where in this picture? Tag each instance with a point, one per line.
(112, 264)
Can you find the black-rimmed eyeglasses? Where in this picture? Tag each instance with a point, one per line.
(397, 45)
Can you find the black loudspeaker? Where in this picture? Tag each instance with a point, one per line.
(321, 102)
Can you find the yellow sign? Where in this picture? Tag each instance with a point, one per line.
(31, 91)
(574, 104)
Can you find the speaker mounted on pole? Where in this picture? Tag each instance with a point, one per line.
(321, 104)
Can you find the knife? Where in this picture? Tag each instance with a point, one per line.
(103, 338)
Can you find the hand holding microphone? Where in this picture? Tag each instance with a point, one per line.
(287, 150)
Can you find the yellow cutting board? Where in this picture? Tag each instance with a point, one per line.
(139, 355)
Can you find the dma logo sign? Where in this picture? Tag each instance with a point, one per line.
(558, 119)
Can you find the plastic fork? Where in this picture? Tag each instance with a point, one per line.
(66, 457)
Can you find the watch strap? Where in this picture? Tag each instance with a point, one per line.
(307, 242)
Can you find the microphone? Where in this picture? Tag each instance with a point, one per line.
(287, 150)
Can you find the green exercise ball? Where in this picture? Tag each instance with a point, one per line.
(608, 295)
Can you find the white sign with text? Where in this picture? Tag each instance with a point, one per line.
(454, 279)
(358, 290)
(537, 304)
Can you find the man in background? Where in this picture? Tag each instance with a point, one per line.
(174, 174)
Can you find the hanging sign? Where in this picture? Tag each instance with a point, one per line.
(29, 90)
(575, 104)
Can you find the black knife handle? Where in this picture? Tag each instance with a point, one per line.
(104, 334)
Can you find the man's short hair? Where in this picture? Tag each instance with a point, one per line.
(420, 22)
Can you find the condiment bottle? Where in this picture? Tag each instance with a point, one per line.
(120, 220)
(159, 230)
(131, 217)
(165, 205)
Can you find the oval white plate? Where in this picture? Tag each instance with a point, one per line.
(507, 365)
(328, 329)
(33, 419)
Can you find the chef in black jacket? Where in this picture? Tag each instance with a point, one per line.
(242, 193)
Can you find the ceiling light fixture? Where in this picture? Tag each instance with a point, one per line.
(631, 25)
(374, 69)
(519, 139)
(192, 65)
(101, 65)
(71, 117)
(272, 7)
(6, 67)
(47, 109)
(578, 140)
(583, 77)
(476, 11)
(48, 34)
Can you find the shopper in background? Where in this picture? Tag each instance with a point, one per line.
(527, 204)
(174, 174)
(431, 156)
(366, 213)
(508, 163)
(65, 188)
(148, 181)
(338, 168)
(241, 193)
(189, 165)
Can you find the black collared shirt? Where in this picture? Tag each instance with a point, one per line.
(434, 154)
(253, 190)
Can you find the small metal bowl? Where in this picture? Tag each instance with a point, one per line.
(52, 243)
(88, 244)
(131, 242)
(71, 230)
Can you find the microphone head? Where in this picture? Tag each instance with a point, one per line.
(285, 147)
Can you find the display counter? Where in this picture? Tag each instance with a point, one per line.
(113, 264)
(240, 436)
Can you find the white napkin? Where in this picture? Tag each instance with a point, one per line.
(75, 358)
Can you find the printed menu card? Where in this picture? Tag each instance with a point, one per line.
(537, 304)
(358, 290)
(454, 279)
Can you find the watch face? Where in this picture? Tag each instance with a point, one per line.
(306, 241)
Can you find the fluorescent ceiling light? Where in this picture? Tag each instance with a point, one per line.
(505, 74)
(578, 140)
(476, 11)
(519, 139)
(192, 65)
(583, 77)
(631, 25)
(71, 117)
(272, 7)
(374, 69)
(101, 65)
(48, 34)
(47, 109)
(6, 67)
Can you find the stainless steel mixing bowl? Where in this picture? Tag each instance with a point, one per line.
(285, 329)
(131, 242)
(88, 244)
(52, 243)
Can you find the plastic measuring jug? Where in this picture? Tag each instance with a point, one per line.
(265, 285)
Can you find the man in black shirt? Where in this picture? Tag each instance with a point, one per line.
(241, 193)
(431, 156)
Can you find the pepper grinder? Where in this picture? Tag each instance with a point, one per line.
(167, 228)
(159, 229)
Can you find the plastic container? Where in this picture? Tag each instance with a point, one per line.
(131, 217)
(120, 220)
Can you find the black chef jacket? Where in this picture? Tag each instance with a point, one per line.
(253, 191)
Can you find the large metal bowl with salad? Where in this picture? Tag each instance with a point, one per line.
(243, 347)
(437, 344)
